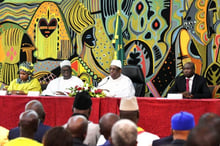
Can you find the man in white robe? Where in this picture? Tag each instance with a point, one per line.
(61, 85)
(117, 84)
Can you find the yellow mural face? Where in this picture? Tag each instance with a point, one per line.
(48, 31)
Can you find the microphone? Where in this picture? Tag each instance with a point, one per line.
(104, 82)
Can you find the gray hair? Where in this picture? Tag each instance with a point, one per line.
(28, 113)
(124, 132)
(38, 107)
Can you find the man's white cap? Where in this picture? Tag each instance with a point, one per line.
(116, 63)
(129, 104)
(65, 63)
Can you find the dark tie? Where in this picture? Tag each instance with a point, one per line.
(187, 85)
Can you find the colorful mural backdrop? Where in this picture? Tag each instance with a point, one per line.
(159, 36)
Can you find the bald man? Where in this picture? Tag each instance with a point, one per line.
(105, 123)
(28, 123)
(77, 126)
(37, 107)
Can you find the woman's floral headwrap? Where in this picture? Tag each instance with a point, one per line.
(27, 67)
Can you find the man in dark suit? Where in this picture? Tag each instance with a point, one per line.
(191, 85)
(163, 141)
(38, 107)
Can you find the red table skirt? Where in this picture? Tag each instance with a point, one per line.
(155, 113)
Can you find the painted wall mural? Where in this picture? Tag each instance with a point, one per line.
(159, 36)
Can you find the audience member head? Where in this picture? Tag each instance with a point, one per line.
(82, 104)
(124, 133)
(115, 69)
(210, 119)
(28, 123)
(26, 70)
(129, 109)
(203, 135)
(57, 136)
(181, 124)
(77, 125)
(189, 69)
(66, 69)
(106, 122)
(207, 118)
(37, 107)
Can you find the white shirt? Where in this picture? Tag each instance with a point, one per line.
(146, 139)
(120, 87)
(59, 84)
(101, 140)
(92, 135)
(190, 83)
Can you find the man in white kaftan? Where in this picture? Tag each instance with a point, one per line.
(117, 84)
(61, 85)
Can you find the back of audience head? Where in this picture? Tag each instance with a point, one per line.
(208, 118)
(106, 122)
(57, 136)
(28, 123)
(82, 104)
(38, 107)
(124, 133)
(129, 109)
(181, 124)
(203, 135)
(77, 125)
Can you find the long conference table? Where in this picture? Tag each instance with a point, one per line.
(155, 113)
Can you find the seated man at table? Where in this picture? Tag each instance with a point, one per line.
(25, 82)
(28, 123)
(117, 84)
(38, 107)
(129, 109)
(61, 85)
(191, 85)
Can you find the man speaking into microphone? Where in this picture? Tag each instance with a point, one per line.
(117, 84)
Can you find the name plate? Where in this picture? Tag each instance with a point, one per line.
(33, 93)
(3, 92)
(174, 96)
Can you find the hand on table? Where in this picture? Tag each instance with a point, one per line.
(187, 94)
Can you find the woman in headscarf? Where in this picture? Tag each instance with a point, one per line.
(24, 82)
